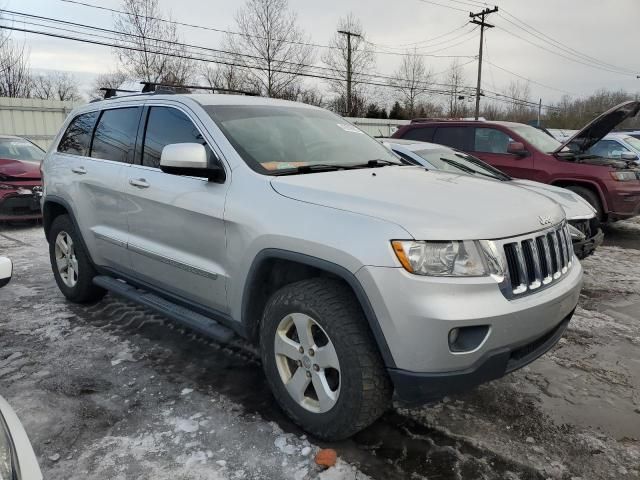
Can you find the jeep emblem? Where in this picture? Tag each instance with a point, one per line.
(545, 220)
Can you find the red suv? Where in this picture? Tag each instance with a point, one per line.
(522, 151)
(20, 180)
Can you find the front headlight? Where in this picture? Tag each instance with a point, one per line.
(448, 258)
(624, 176)
(6, 453)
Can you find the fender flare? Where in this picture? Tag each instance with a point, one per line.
(325, 265)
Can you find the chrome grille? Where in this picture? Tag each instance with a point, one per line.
(535, 261)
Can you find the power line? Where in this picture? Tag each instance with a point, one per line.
(410, 44)
(550, 40)
(530, 80)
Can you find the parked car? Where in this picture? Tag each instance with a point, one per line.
(20, 183)
(356, 275)
(523, 151)
(585, 234)
(17, 459)
(617, 145)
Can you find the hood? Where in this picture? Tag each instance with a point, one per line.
(575, 207)
(598, 128)
(430, 205)
(19, 170)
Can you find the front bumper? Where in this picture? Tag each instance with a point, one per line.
(20, 207)
(586, 247)
(416, 315)
(414, 389)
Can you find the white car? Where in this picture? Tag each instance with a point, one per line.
(585, 233)
(17, 458)
(619, 146)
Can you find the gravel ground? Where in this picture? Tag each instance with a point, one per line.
(114, 391)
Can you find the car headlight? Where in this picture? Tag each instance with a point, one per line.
(624, 176)
(448, 258)
(6, 453)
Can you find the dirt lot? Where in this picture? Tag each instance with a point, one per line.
(113, 391)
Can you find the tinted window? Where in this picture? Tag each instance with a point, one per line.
(423, 134)
(491, 140)
(165, 126)
(456, 137)
(115, 134)
(77, 138)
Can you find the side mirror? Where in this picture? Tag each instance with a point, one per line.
(517, 148)
(628, 156)
(6, 270)
(189, 159)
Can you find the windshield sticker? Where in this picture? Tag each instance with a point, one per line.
(349, 128)
(282, 165)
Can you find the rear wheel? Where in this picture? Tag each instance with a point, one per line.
(70, 263)
(320, 359)
(593, 199)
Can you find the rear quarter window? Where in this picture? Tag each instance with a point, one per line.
(422, 134)
(455, 137)
(77, 138)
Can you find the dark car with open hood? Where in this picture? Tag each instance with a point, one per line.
(522, 151)
(20, 179)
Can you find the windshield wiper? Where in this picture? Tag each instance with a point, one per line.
(314, 168)
(377, 162)
(466, 169)
(494, 172)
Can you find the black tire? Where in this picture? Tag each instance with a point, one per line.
(365, 388)
(593, 199)
(84, 291)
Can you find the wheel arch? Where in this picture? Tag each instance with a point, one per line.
(52, 208)
(272, 269)
(593, 186)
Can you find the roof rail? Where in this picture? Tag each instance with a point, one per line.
(436, 119)
(155, 87)
(112, 92)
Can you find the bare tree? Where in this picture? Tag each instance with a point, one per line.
(272, 50)
(158, 55)
(458, 93)
(55, 86)
(412, 80)
(15, 78)
(519, 105)
(114, 79)
(229, 77)
(362, 61)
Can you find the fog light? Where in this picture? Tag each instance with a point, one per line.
(453, 336)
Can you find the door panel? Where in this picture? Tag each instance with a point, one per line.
(490, 145)
(176, 226)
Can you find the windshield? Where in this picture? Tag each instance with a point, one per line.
(449, 160)
(274, 139)
(633, 141)
(20, 149)
(540, 140)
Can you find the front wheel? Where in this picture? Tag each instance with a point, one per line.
(320, 359)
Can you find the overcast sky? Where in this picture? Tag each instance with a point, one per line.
(607, 31)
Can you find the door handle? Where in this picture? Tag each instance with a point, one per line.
(79, 170)
(139, 182)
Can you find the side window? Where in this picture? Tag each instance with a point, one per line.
(115, 134)
(422, 134)
(166, 125)
(456, 137)
(608, 149)
(490, 140)
(77, 139)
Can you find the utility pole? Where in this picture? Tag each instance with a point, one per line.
(539, 111)
(349, 68)
(483, 25)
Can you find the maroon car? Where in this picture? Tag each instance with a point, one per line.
(20, 181)
(522, 151)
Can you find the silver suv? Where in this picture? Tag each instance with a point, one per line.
(279, 222)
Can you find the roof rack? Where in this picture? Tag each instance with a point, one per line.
(436, 119)
(154, 87)
(112, 92)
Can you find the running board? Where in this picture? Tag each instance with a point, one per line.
(189, 318)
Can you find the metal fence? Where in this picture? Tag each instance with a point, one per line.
(37, 120)
(378, 127)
